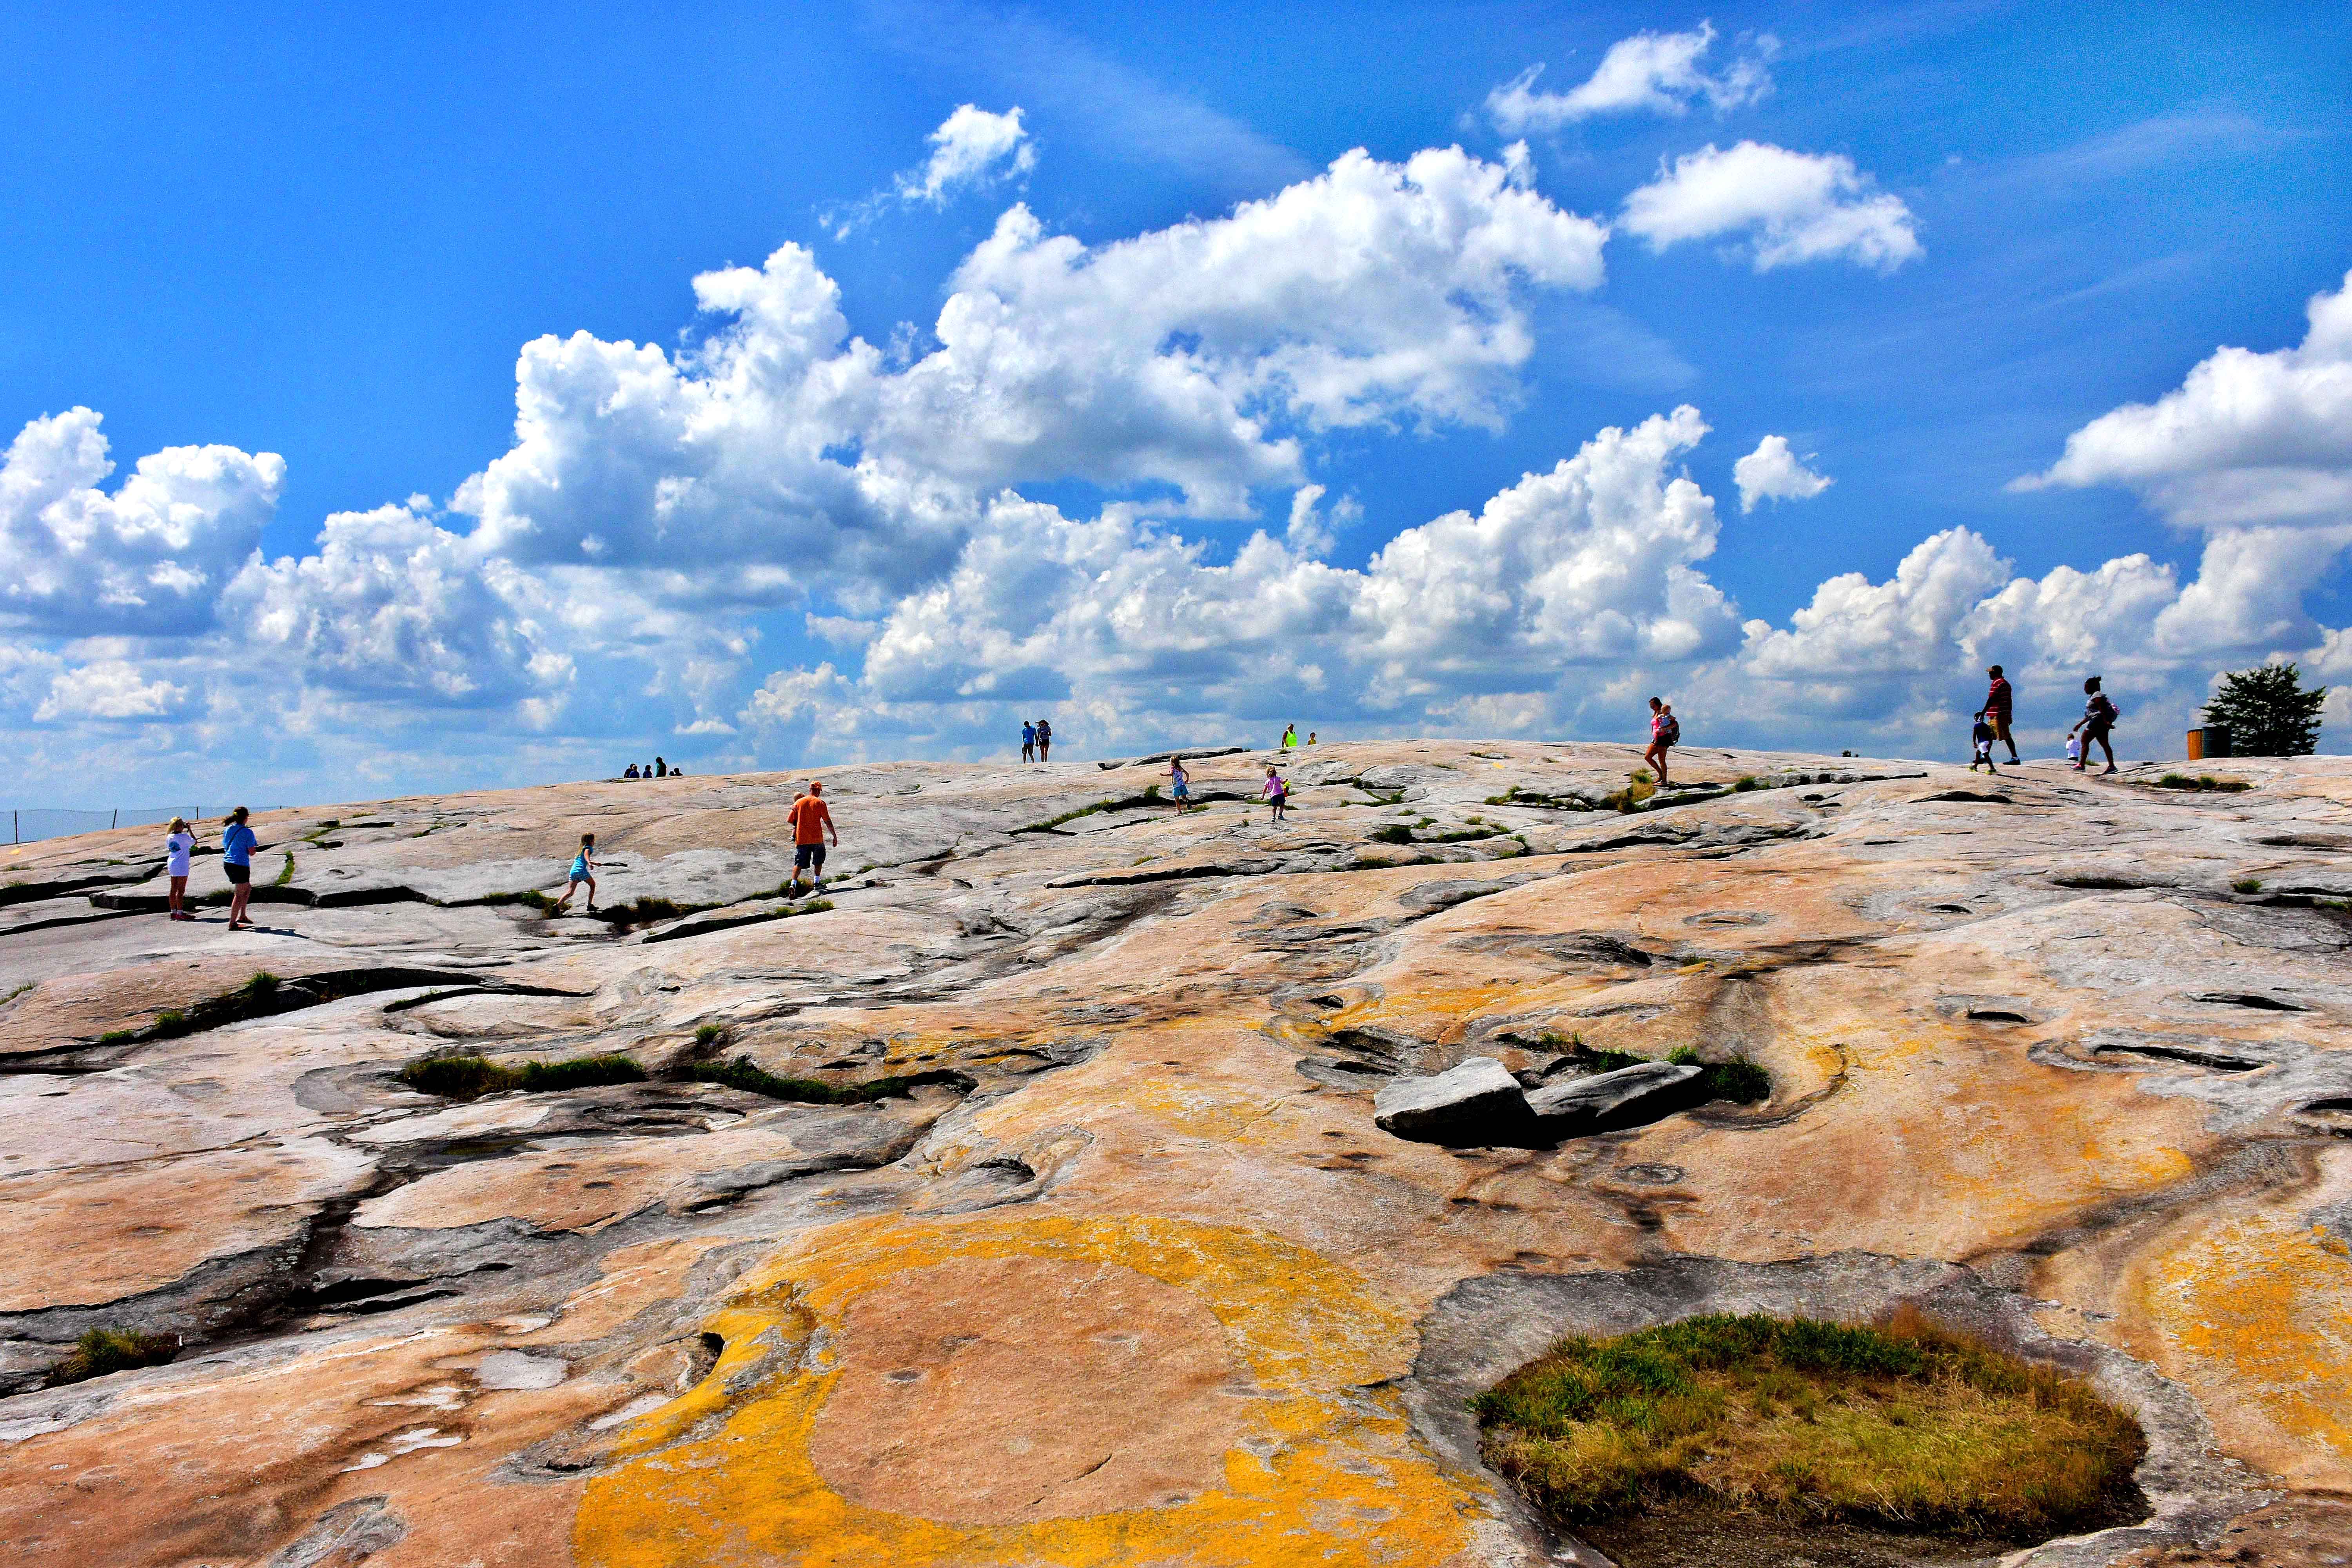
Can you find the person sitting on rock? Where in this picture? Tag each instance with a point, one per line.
(661, 769)
(632, 772)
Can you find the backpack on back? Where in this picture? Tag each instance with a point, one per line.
(2108, 712)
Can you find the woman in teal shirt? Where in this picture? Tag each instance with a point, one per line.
(237, 845)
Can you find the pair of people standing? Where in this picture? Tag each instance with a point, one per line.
(1037, 740)
(2095, 727)
(237, 845)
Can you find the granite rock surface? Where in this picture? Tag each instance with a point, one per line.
(1120, 1269)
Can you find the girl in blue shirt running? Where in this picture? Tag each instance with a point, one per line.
(584, 869)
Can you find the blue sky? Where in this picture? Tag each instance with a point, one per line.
(328, 238)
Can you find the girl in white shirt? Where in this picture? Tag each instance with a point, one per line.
(179, 844)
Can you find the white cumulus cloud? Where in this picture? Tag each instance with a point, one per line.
(971, 148)
(1591, 562)
(1773, 472)
(2247, 438)
(1655, 73)
(1782, 207)
(150, 558)
(109, 689)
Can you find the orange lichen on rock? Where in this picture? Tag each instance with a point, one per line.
(1241, 1368)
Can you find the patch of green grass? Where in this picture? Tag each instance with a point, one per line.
(2247, 885)
(1506, 798)
(1151, 797)
(472, 1077)
(285, 872)
(579, 1072)
(709, 1035)
(16, 993)
(529, 899)
(117, 1037)
(1743, 784)
(101, 1350)
(1396, 833)
(2203, 781)
(743, 1073)
(260, 988)
(1905, 1427)
(1738, 1081)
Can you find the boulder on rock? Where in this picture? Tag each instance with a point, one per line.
(1629, 1097)
(1478, 1103)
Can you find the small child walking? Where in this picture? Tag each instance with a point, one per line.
(1179, 785)
(1277, 794)
(1984, 736)
(584, 869)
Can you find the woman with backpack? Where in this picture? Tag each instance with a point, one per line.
(1665, 730)
(2099, 716)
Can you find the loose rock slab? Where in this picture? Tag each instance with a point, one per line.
(1629, 1097)
(1478, 1102)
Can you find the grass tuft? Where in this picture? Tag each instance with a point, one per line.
(1396, 833)
(709, 1034)
(101, 1350)
(2247, 885)
(743, 1073)
(285, 872)
(1743, 784)
(470, 1078)
(1905, 1427)
(2203, 781)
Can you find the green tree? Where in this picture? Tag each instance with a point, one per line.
(2267, 712)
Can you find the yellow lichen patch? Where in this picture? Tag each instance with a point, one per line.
(1322, 1467)
(2253, 1308)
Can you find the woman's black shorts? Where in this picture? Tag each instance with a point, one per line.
(239, 874)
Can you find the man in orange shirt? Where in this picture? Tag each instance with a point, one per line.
(812, 824)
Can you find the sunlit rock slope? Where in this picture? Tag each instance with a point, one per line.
(1129, 1275)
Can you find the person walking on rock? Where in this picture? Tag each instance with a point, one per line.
(1044, 740)
(179, 844)
(812, 824)
(583, 872)
(1999, 701)
(237, 845)
(2099, 716)
(1278, 795)
(1981, 737)
(1028, 741)
(1179, 785)
(1665, 730)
